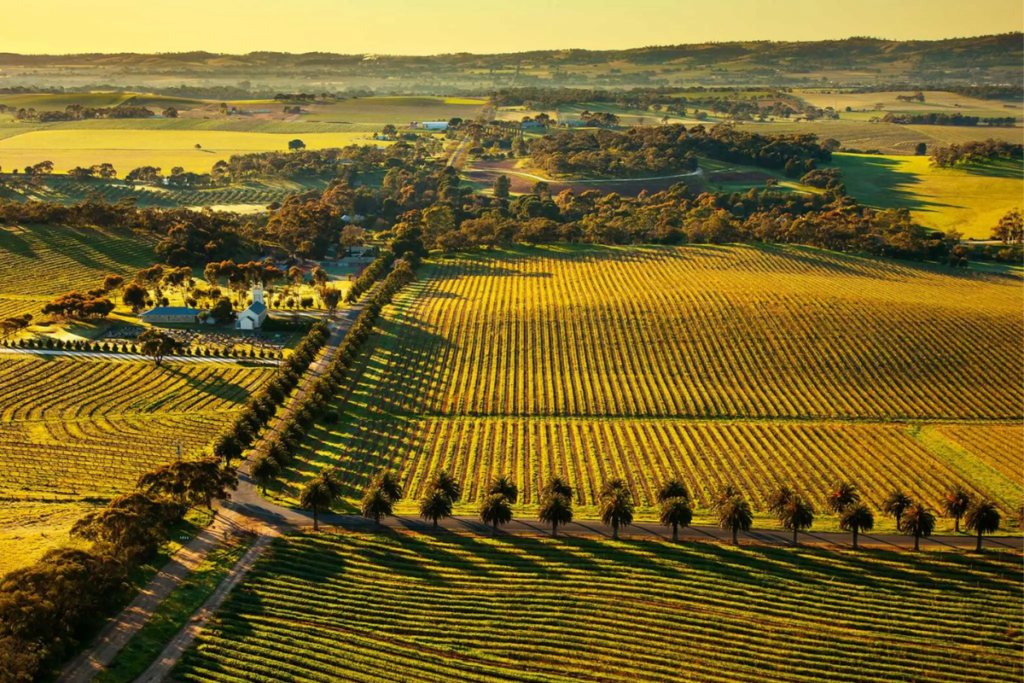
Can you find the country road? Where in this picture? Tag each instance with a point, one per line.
(246, 501)
(120, 629)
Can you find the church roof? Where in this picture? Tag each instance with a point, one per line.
(256, 307)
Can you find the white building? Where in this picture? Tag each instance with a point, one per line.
(252, 318)
(432, 125)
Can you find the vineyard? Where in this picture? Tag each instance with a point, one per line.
(43, 260)
(92, 427)
(756, 367)
(407, 607)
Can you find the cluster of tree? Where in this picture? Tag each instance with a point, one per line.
(14, 324)
(830, 220)
(298, 97)
(79, 306)
(916, 97)
(943, 119)
(77, 112)
(823, 178)
(603, 119)
(302, 163)
(672, 148)
(281, 449)
(373, 272)
(1010, 229)
(976, 152)
(187, 236)
(48, 608)
(104, 171)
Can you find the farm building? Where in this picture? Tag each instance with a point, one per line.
(432, 125)
(171, 314)
(252, 318)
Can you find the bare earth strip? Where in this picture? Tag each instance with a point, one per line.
(116, 634)
(159, 669)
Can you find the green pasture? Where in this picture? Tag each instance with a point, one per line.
(970, 199)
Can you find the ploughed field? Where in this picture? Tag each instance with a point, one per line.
(756, 367)
(422, 608)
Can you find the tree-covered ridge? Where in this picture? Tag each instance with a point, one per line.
(672, 148)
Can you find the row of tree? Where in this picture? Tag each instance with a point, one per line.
(944, 119)
(48, 608)
(272, 461)
(616, 506)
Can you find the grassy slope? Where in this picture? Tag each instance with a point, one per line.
(419, 608)
(970, 200)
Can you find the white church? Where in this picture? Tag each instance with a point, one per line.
(252, 318)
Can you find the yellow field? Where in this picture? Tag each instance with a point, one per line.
(128, 149)
(969, 200)
(757, 367)
(935, 101)
(29, 528)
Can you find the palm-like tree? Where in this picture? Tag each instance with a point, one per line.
(723, 494)
(983, 518)
(955, 504)
(617, 509)
(676, 512)
(435, 505)
(318, 495)
(445, 482)
(843, 495)
(856, 518)
(555, 509)
(263, 470)
(557, 486)
(673, 488)
(495, 510)
(734, 514)
(919, 521)
(796, 515)
(779, 499)
(376, 504)
(503, 485)
(895, 504)
(612, 486)
(390, 485)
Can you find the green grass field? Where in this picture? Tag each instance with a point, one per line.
(129, 149)
(421, 608)
(970, 200)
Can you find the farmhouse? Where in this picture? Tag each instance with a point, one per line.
(171, 314)
(432, 125)
(252, 318)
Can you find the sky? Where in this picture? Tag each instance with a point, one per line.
(422, 27)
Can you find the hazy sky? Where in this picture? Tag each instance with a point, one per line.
(422, 27)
